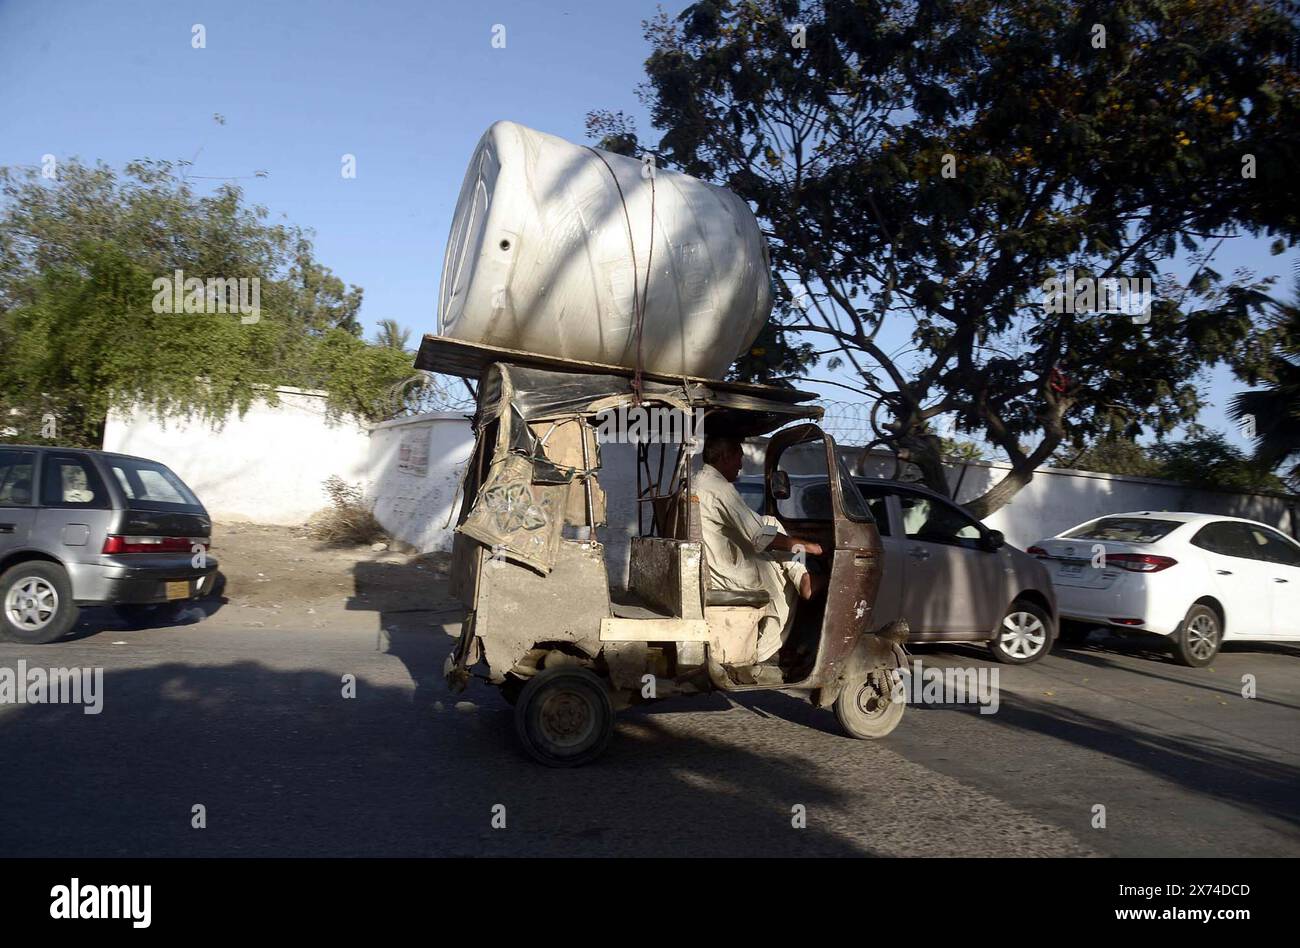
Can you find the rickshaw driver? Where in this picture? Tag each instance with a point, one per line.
(739, 545)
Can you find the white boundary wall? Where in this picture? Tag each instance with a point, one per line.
(1058, 498)
(267, 467)
(414, 477)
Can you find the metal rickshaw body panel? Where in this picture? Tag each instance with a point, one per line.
(856, 565)
(534, 592)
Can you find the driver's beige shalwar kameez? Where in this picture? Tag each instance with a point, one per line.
(736, 542)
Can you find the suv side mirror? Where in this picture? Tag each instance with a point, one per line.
(994, 540)
(780, 485)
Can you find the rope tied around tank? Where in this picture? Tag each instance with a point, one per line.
(639, 299)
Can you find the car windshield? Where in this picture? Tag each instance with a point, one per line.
(1124, 530)
(151, 485)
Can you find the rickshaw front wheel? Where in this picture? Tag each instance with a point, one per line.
(564, 717)
(867, 708)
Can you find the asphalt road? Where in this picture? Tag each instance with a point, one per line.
(243, 713)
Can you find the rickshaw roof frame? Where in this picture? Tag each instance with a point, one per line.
(546, 388)
(469, 360)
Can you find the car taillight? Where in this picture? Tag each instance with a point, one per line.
(1140, 562)
(119, 544)
(1036, 551)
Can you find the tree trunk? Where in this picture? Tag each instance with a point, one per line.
(925, 451)
(1000, 494)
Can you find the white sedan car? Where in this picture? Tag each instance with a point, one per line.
(1200, 579)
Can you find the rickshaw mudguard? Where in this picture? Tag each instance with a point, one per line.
(874, 650)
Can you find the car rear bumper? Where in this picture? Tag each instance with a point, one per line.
(124, 585)
(1125, 600)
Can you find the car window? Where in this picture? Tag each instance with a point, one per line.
(878, 503)
(149, 484)
(71, 481)
(815, 502)
(855, 508)
(1124, 530)
(1247, 541)
(933, 521)
(1270, 546)
(1220, 537)
(16, 469)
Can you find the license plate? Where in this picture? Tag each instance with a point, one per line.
(1071, 569)
(179, 589)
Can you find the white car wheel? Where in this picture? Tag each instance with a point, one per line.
(1024, 635)
(31, 604)
(36, 603)
(1198, 641)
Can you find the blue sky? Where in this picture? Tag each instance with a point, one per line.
(406, 87)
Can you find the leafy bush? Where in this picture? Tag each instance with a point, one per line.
(347, 521)
(79, 333)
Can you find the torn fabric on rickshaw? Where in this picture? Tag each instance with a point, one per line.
(537, 476)
(516, 518)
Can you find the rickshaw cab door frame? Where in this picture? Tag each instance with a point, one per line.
(856, 561)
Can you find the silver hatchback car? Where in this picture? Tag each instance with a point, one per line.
(952, 578)
(84, 527)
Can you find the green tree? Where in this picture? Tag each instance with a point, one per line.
(1206, 459)
(772, 359)
(1202, 459)
(960, 450)
(80, 334)
(392, 335)
(1273, 413)
(1111, 455)
(936, 162)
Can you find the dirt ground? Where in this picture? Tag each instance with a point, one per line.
(275, 567)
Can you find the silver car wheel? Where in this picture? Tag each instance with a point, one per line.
(1202, 636)
(32, 603)
(1023, 635)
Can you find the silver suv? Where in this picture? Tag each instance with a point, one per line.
(88, 527)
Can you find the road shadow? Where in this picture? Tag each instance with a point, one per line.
(1212, 766)
(284, 764)
(1156, 647)
(1209, 766)
(1196, 678)
(417, 618)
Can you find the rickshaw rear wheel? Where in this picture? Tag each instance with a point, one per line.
(867, 708)
(564, 717)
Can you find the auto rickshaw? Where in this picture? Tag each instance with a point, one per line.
(544, 624)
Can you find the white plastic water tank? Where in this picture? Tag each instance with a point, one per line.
(547, 255)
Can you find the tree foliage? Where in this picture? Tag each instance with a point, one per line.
(1273, 412)
(392, 335)
(1202, 459)
(79, 333)
(936, 162)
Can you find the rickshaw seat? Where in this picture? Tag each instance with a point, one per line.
(665, 574)
(737, 597)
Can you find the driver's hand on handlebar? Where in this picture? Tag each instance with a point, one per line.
(809, 547)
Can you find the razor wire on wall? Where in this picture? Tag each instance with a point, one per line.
(849, 423)
(853, 427)
(427, 392)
